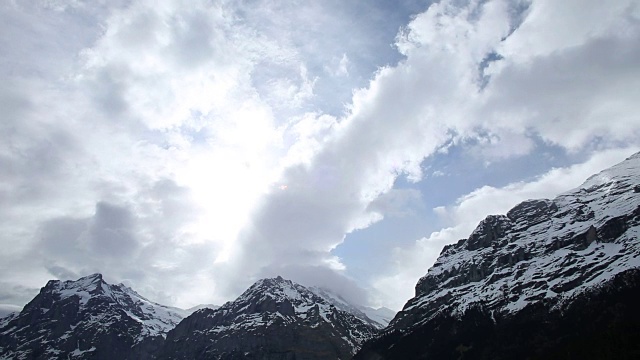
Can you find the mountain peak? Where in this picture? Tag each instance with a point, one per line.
(279, 295)
(274, 315)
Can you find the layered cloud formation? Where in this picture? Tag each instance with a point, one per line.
(189, 148)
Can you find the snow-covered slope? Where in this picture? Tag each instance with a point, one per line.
(377, 317)
(543, 249)
(86, 318)
(541, 254)
(381, 315)
(273, 319)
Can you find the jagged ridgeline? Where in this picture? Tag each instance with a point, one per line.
(551, 279)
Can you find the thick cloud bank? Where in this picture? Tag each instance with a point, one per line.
(189, 148)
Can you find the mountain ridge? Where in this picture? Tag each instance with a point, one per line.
(86, 316)
(542, 253)
(89, 318)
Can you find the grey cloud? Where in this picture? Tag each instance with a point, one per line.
(37, 156)
(15, 105)
(194, 38)
(12, 294)
(61, 238)
(45, 38)
(567, 95)
(173, 203)
(116, 230)
(63, 273)
(406, 114)
(310, 216)
(108, 88)
(92, 242)
(140, 30)
(112, 231)
(142, 245)
(397, 202)
(6, 309)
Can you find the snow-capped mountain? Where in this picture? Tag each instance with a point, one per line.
(273, 319)
(532, 283)
(87, 318)
(379, 317)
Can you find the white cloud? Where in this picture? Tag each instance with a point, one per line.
(553, 25)
(339, 66)
(568, 74)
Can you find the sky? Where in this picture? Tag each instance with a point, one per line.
(190, 148)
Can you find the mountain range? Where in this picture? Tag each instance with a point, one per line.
(275, 318)
(550, 279)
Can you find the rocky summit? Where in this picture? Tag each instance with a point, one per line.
(274, 319)
(86, 319)
(550, 279)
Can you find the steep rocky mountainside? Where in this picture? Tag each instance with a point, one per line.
(550, 279)
(86, 319)
(274, 319)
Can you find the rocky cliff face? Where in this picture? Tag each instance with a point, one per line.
(86, 319)
(540, 265)
(274, 319)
